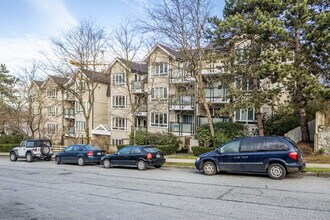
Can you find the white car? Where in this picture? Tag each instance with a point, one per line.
(33, 148)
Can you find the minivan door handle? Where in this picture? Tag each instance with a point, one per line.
(238, 157)
(245, 157)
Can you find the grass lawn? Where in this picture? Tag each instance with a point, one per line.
(182, 156)
(317, 170)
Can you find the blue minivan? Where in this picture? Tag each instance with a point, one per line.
(276, 156)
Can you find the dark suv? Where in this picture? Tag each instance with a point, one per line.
(276, 156)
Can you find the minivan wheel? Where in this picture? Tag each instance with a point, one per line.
(81, 161)
(13, 156)
(141, 165)
(29, 157)
(107, 163)
(209, 168)
(276, 171)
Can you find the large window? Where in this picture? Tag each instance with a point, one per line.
(119, 123)
(158, 119)
(263, 144)
(78, 107)
(117, 141)
(80, 125)
(118, 79)
(51, 93)
(159, 69)
(231, 147)
(52, 128)
(245, 115)
(119, 101)
(81, 86)
(51, 111)
(159, 93)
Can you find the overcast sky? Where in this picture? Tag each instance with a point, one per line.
(27, 25)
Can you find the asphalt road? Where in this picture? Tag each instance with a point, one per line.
(44, 190)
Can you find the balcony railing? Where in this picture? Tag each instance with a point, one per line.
(69, 131)
(137, 87)
(140, 128)
(182, 102)
(180, 76)
(203, 120)
(142, 110)
(182, 129)
(216, 95)
(69, 113)
(212, 71)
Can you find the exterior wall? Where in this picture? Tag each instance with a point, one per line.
(295, 134)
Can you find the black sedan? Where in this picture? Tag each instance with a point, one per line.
(135, 156)
(80, 154)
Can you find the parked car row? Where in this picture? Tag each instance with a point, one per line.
(276, 156)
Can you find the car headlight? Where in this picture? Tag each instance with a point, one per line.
(198, 159)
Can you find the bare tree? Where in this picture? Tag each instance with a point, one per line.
(78, 54)
(181, 24)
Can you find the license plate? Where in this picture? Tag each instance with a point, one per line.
(158, 156)
(99, 153)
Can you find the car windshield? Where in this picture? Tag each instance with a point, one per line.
(151, 149)
(42, 143)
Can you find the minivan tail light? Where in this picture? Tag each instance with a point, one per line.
(293, 155)
(149, 156)
(90, 153)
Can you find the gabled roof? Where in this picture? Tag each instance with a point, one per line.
(59, 80)
(38, 83)
(97, 77)
(134, 66)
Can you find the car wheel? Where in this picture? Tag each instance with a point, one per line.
(209, 168)
(58, 159)
(29, 157)
(141, 165)
(45, 150)
(13, 156)
(107, 164)
(158, 166)
(48, 158)
(276, 171)
(81, 161)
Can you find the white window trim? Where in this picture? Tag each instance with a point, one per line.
(51, 93)
(80, 125)
(119, 120)
(52, 128)
(120, 99)
(116, 80)
(159, 69)
(158, 125)
(156, 93)
(245, 120)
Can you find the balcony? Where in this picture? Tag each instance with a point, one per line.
(140, 128)
(69, 113)
(137, 87)
(203, 120)
(182, 102)
(69, 131)
(212, 71)
(216, 95)
(180, 76)
(142, 111)
(182, 129)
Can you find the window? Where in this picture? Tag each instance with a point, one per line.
(35, 110)
(119, 101)
(23, 144)
(231, 147)
(263, 144)
(245, 115)
(118, 79)
(158, 119)
(78, 107)
(119, 123)
(70, 148)
(30, 144)
(77, 148)
(51, 93)
(124, 151)
(52, 128)
(117, 141)
(51, 111)
(81, 86)
(80, 125)
(159, 93)
(159, 69)
(136, 150)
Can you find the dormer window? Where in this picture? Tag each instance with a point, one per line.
(51, 93)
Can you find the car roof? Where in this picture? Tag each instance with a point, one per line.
(37, 140)
(143, 146)
(261, 137)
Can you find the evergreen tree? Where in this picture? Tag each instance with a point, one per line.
(7, 83)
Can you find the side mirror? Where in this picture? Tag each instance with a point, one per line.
(219, 151)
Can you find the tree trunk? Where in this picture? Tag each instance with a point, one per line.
(88, 138)
(303, 125)
(260, 124)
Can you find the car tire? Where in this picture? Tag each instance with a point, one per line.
(209, 168)
(29, 157)
(48, 158)
(45, 150)
(13, 156)
(141, 165)
(81, 161)
(107, 164)
(58, 159)
(158, 166)
(276, 171)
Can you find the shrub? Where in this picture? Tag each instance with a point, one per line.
(201, 150)
(7, 147)
(224, 131)
(321, 151)
(167, 149)
(148, 138)
(12, 138)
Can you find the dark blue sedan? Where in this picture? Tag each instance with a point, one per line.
(80, 154)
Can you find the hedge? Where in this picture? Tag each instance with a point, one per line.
(168, 149)
(201, 150)
(7, 147)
